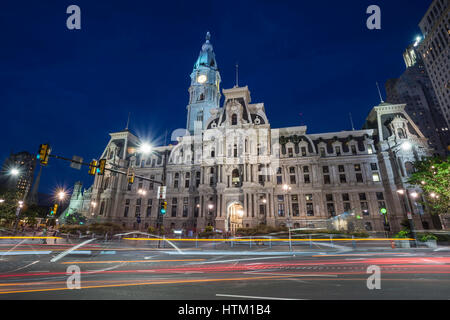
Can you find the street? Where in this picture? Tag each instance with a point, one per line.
(137, 270)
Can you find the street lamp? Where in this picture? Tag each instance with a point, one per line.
(408, 209)
(2, 200)
(142, 192)
(145, 148)
(406, 146)
(15, 171)
(286, 189)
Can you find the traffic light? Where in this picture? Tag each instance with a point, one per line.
(92, 167)
(54, 209)
(43, 153)
(101, 167)
(130, 176)
(163, 208)
(383, 211)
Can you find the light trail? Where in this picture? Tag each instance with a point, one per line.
(122, 261)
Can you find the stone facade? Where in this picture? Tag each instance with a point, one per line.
(234, 170)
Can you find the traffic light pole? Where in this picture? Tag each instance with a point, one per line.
(159, 219)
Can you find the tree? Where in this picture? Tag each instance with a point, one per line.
(9, 206)
(75, 218)
(433, 176)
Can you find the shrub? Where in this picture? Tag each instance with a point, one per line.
(402, 234)
(427, 236)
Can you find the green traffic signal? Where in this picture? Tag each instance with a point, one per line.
(383, 210)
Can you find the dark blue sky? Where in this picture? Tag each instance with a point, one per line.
(72, 87)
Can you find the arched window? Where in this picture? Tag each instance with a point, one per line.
(213, 153)
(401, 133)
(235, 151)
(234, 119)
(235, 179)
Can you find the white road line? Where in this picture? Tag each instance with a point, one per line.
(30, 264)
(65, 253)
(253, 297)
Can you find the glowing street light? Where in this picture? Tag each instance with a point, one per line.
(286, 187)
(145, 148)
(61, 195)
(210, 206)
(400, 191)
(433, 195)
(406, 146)
(14, 171)
(142, 191)
(2, 200)
(94, 204)
(240, 213)
(414, 194)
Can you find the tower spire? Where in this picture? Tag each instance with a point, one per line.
(379, 92)
(128, 121)
(237, 75)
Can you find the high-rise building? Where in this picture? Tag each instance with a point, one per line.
(414, 88)
(25, 163)
(435, 51)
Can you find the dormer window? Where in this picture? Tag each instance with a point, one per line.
(401, 133)
(234, 119)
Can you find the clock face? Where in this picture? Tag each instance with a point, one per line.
(201, 78)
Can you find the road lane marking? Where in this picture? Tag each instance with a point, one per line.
(18, 253)
(63, 254)
(30, 264)
(254, 297)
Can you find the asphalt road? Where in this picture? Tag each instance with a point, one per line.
(125, 270)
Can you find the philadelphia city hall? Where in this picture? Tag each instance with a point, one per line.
(231, 169)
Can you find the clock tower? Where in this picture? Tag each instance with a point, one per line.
(204, 93)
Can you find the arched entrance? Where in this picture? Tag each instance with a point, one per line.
(235, 212)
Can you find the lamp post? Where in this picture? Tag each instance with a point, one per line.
(407, 206)
(286, 189)
(16, 172)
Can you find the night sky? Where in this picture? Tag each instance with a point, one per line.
(71, 88)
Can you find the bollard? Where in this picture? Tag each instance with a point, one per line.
(250, 242)
(270, 242)
(164, 241)
(231, 243)
(353, 242)
(310, 242)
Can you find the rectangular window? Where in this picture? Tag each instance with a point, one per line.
(380, 196)
(359, 177)
(185, 210)
(175, 184)
(325, 169)
(127, 201)
(357, 167)
(308, 197)
(322, 152)
(280, 198)
(329, 197)
(294, 198)
(365, 208)
(309, 209)
(279, 180)
(295, 210)
(149, 211)
(342, 178)
(338, 151)
(347, 206)
(341, 168)
(281, 210)
(292, 180)
(345, 197)
(373, 166)
(306, 178)
(174, 210)
(149, 202)
(138, 211)
(305, 169)
(290, 152)
(138, 202)
(125, 214)
(330, 209)
(375, 177)
(362, 196)
(303, 151)
(326, 179)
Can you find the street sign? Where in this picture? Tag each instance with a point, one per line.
(161, 192)
(75, 164)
